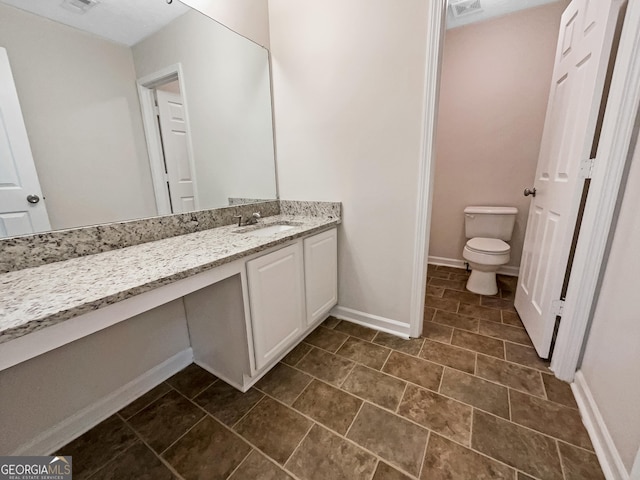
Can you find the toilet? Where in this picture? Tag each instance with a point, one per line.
(488, 229)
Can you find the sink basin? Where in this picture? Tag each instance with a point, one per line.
(270, 230)
(266, 230)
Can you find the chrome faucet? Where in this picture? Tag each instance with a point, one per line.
(252, 220)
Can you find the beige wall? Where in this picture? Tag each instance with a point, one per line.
(612, 355)
(228, 95)
(348, 93)
(42, 392)
(250, 18)
(495, 85)
(81, 110)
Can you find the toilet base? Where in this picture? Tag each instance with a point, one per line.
(483, 283)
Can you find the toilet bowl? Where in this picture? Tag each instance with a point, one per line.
(485, 256)
(488, 229)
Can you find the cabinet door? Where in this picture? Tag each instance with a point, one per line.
(276, 299)
(321, 274)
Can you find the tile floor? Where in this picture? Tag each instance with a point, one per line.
(469, 400)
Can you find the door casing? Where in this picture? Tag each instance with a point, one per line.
(146, 87)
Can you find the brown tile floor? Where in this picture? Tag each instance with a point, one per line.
(469, 400)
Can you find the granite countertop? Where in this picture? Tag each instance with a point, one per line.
(35, 298)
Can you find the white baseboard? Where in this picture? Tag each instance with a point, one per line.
(610, 461)
(383, 324)
(72, 427)
(456, 263)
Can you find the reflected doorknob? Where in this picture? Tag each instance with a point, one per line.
(531, 192)
(33, 198)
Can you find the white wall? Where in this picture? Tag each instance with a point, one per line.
(611, 363)
(81, 110)
(44, 391)
(250, 18)
(494, 91)
(348, 98)
(227, 91)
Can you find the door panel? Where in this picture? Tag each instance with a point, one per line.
(180, 172)
(582, 58)
(18, 176)
(15, 224)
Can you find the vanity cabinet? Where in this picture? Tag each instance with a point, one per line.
(276, 299)
(244, 302)
(242, 325)
(320, 274)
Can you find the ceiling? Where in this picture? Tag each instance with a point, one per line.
(464, 12)
(122, 21)
(128, 22)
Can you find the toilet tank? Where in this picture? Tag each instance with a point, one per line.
(490, 222)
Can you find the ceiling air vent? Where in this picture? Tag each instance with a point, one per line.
(462, 8)
(78, 6)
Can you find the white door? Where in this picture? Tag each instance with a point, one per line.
(276, 300)
(582, 57)
(320, 274)
(178, 164)
(22, 206)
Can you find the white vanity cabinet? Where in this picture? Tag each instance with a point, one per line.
(244, 323)
(276, 299)
(320, 274)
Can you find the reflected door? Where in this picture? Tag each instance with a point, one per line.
(22, 206)
(582, 57)
(178, 164)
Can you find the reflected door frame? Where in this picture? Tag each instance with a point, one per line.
(146, 93)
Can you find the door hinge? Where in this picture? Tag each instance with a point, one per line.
(586, 168)
(557, 307)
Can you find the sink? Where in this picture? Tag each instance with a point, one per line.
(270, 230)
(267, 229)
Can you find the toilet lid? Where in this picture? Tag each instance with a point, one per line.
(488, 245)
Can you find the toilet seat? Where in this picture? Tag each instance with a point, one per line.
(488, 246)
(486, 253)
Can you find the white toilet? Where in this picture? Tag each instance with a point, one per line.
(488, 229)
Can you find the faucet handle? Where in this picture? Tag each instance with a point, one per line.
(239, 217)
(256, 215)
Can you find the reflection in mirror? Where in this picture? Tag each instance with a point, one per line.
(116, 110)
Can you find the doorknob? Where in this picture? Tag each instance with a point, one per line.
(33, 198)
(531, 192)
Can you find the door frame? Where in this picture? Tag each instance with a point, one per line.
(146, 87)
(635, 469)
(614, 151)
(426, 167)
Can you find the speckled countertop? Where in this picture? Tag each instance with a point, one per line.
(35, 298)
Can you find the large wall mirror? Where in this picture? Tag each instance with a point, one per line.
(113, 110)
